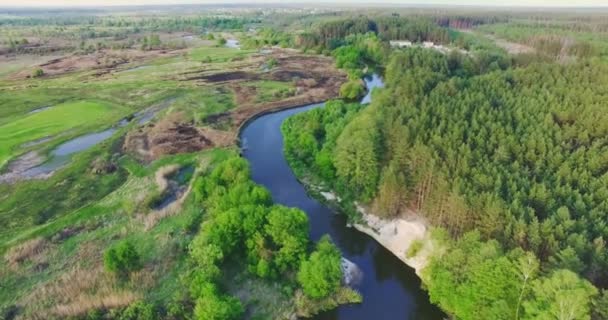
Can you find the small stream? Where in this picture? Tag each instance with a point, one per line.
(390, 289)
(178, 182)
(63, 153)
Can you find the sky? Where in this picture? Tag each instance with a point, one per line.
(508, 3)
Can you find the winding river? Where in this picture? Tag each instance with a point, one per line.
(390, 289)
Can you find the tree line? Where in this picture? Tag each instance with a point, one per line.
(330, 35)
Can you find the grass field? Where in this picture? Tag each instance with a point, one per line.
(77, 116)
(271, 90)
(218, 54)
(94, 228)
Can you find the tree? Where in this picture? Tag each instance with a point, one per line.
(321, 273)
(600, 306)
(528, 267)
(352, 90)
(562, 296)
(212, 306)
(122, 259)
(138, 311)
(288, 229)
(391, 191)
(221, 41)
(356, 160)
(474, 280)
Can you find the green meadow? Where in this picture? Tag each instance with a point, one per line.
(77, 116)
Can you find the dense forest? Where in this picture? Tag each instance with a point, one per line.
(510, 161)
(331, 34)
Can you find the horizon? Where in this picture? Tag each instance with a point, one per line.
(515, 4)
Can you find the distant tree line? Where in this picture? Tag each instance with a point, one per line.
(331, 34)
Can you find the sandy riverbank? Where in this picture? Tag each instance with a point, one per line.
(397, 235)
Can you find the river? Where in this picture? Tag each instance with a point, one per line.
(390, 289)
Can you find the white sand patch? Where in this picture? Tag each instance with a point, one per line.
(330, 196)
(397, 235)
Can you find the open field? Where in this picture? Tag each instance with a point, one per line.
(43, 123)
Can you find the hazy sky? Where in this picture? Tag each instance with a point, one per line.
(536, 3)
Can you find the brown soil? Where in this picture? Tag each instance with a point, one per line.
(315, 78)
(103, 61)
(172, 136)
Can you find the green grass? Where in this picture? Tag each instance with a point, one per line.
(75, 196)
(267, 90)
(104, 223)
(76, 115)
(199, 103)
(218, 54)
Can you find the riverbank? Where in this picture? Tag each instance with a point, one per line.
(408, 239)
(387, 286)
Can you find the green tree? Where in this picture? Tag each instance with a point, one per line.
(391, 191)
(214, 307)
(321, 273)
(138, 311)
(122, 259)
(288, 230)
(356, 160)
(561, 296)
(352, 90)
(527, 267)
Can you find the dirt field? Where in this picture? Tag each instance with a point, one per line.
(104, 61)
(172, 135)
(315, 79)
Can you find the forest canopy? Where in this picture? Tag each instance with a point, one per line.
(517, 155)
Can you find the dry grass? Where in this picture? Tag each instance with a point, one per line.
(85, 304)
(32, 250)
(162, 174)
(153, 218)
(79, 291)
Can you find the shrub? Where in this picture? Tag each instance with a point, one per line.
(139, 311)
(352, 90)
(414, 249)
(321, 274)
(38, 72)
(122, 259)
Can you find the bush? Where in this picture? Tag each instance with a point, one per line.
(122, 259)
(352, 90)
(38, 72)
(139, 311)
(414, 249)
(321, 274)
